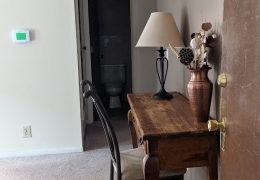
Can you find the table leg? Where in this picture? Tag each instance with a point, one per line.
(212, 169)
(151, 167)
(151, 161)
(130, 118)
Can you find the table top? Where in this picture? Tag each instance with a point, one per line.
(164, 118)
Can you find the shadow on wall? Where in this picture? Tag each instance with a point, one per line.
(214, 57)
(185, 28)
(185, 31)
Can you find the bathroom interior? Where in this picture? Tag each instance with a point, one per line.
(110, 41)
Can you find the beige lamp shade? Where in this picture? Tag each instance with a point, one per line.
(160, 31)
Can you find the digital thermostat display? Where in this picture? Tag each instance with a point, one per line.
(21, 36)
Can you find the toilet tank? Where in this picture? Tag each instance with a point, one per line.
(113, 73)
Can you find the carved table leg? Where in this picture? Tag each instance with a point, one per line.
(130, 118)
(151, 167)
(151, 162)
(212, 168)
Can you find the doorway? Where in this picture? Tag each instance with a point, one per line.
(110, 44)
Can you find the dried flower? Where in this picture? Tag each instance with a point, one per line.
(196, 43)
(199, 44)
(214, 36)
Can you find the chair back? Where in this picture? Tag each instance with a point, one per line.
(115, 165)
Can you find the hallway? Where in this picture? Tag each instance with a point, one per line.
(95, 137)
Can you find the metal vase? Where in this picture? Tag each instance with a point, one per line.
(200, 93)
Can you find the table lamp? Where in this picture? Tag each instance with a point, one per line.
(160, 31)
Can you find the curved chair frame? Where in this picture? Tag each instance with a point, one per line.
(115, 165)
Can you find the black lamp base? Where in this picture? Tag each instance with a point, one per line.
(162, 94)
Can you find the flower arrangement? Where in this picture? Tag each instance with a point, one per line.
(196, 56)
(199, 88)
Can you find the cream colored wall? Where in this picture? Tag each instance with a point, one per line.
(144, 76)
(189, 16)
(39, 79)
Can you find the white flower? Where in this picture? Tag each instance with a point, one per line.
(202, 33)
(196, 43)
(214, 36)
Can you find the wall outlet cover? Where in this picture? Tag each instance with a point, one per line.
(27, 131)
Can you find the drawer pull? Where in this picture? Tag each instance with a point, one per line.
(133, 120)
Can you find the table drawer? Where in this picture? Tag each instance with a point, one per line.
(186, 151)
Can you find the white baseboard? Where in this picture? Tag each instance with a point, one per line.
(39, 152)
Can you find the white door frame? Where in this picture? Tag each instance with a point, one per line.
(84, 58)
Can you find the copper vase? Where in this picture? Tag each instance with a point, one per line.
(200, 93)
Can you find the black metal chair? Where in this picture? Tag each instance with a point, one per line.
(126, 164)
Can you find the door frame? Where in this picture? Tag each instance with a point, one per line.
(84, 59)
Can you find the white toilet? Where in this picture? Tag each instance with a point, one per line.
(113, 78)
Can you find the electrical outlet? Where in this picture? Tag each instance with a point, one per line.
(27, 131)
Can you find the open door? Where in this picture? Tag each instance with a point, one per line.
(110, 40)
(85, 63)
(241, 62)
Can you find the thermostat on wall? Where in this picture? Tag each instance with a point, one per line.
(21, 36)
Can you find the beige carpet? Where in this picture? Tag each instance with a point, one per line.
(89, 165)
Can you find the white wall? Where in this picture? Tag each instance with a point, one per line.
(39, 80)
(143, 59)
(189, 16)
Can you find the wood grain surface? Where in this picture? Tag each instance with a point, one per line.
(164, 118)
(169, 137)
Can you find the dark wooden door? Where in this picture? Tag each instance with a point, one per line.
(241, 62)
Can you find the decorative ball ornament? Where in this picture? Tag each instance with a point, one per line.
(186, 56)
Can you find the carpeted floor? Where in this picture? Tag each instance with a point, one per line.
(89, 165)
(93, 164)
(95, 137)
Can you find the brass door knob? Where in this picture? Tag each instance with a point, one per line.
(222, 80)
(214, 125)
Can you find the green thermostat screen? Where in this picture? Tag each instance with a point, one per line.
(21, 36)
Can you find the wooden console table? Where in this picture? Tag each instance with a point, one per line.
(169, 138)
